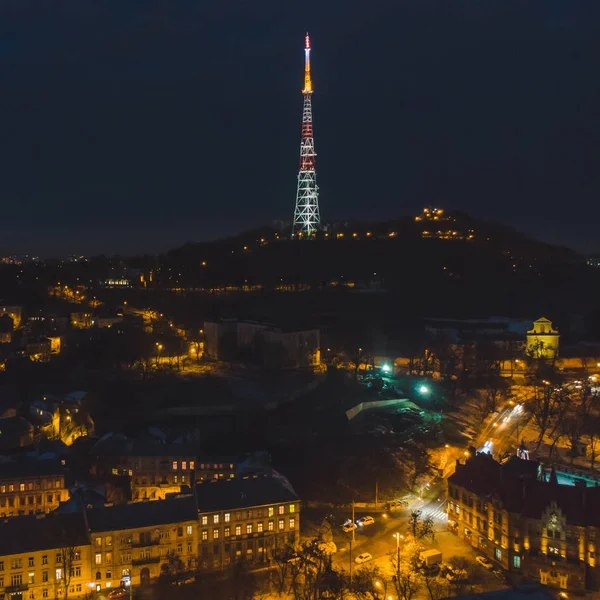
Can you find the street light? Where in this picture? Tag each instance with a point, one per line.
(424, 390)
(398, 538)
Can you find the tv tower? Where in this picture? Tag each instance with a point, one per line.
(306, 214)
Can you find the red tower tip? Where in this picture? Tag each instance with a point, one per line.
(307, 41)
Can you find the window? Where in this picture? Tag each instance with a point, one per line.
(204, 520)
(108, 540)
(281, 524)
(292, 523)
(58, 574)
(249, 528)
(184, 465)
(238, 530)
(98, 575)
(16, 563)
(1, 565)
(179, 531)
(174, 465)
(16, 579)
(191, 465)
(516, 561)
(215, 534)
(227, 532)
(98, 541)
(109, 557)
(189, 529)
(57, 483)
(44, 576)
(77, 571)
(227, 517)
(271, 511)
(58, 558)
(259, 527)
(189, 547)
(497, 554)
(271, 526)
(21, 487)
(179, 548)
(78, 587)
(281, 510)
(98, 558)
(30, 578)
(205, 534)
(11, 487)
(49, 498)
(292, 508)
(77, 555)
(216, 519)
(175, 479)
(30, 561)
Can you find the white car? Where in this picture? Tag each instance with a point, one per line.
(366, 521)
(485, 563)
(348, 526)
(363, 558)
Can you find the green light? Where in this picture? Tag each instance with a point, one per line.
(424, 389)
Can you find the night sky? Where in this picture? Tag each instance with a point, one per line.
(137, 125)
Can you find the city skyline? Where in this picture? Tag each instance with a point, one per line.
(107, 149)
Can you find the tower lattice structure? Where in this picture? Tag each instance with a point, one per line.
(306, 214)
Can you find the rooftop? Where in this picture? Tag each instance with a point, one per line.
(142, 514)
(28, 467)
(517, 486)
(41, 532)
(244, 492)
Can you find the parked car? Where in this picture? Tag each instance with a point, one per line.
(485, 562)
(118, 593)
(500, 575)
(457, 575)
(368, 520)
(348, 526)
(363, 558)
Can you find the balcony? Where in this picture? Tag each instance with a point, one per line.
(13, 589)
(145, 561)
(145, 543)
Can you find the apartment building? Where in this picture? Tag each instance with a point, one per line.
(157, 468)
(135, 542)
(245, 519)
(30, 486)
(44, 556)
(537, 528)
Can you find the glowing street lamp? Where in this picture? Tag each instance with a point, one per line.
(424, 390)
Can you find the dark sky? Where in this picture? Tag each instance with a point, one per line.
(138, 125)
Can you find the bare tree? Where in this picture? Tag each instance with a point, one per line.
(282, 571)
(406, 583)
(421, 528)
(67, 554)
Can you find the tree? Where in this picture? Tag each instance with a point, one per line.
(370, 583)
(68, 553)
(421, 528)
(282, 570)
(406, 583)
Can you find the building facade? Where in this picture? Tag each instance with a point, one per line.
(245, 520)
(542, 340)
(539, 529)
(136, 542)
(44, 556)
(30, 487)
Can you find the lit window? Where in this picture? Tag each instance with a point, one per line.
(281, 510)
(292, 508)
(192, 465)
(271, 511)
(497, 554)
(249, 528)
(175, 479)
(227, 517)
(271, 526)
(292, 523)
(98, 558)
(98, 541)
(58, 574)
(31, 578)
(259, 527)
(184, 465)
(21, 487)
(238, 530)
(189, 530)
(215, 534)
(108, 540)
(216, 519)
(204, 520)
(205, 534)
(174, 465)
(281, 524)
(516, 561)
(227, 531)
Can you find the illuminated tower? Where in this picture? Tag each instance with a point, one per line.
(306, 214)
